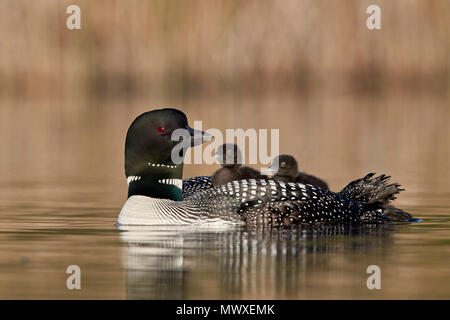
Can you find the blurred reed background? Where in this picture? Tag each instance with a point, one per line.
(347, 100)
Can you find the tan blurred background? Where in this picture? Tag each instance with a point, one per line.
(347, 100)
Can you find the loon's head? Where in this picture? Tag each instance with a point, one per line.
(155, 146)
(287, 166)
(229, 155)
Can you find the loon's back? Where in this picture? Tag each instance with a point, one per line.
(196, 184)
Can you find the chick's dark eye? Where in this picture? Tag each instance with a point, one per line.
(160, 129)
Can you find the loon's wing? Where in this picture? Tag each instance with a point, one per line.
(376, 189)
(196, 184)
(371, 189)
(270, 203)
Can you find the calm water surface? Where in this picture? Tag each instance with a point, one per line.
(39, 238)
(62, 186)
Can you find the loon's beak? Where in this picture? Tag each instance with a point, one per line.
(199, 137)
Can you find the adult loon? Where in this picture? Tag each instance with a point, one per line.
(230, 157)
(288, 172)
(155, 195)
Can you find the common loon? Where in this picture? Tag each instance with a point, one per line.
(230, 156)
(155, 195)
(288, 172)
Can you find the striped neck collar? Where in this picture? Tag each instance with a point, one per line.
(174, 182)
(157, 180)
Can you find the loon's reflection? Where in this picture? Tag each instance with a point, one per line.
(238, 261)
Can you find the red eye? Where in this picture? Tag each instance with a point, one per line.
(160, 129)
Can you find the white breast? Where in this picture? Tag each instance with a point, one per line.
(141, 210)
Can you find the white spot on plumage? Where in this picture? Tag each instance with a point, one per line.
(175, 182)
(132, 179)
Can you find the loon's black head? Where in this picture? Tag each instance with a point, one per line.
(229, 155)
(155, 146)
(287, 166)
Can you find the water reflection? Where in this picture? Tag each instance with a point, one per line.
(167, 263)
(154, 261)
